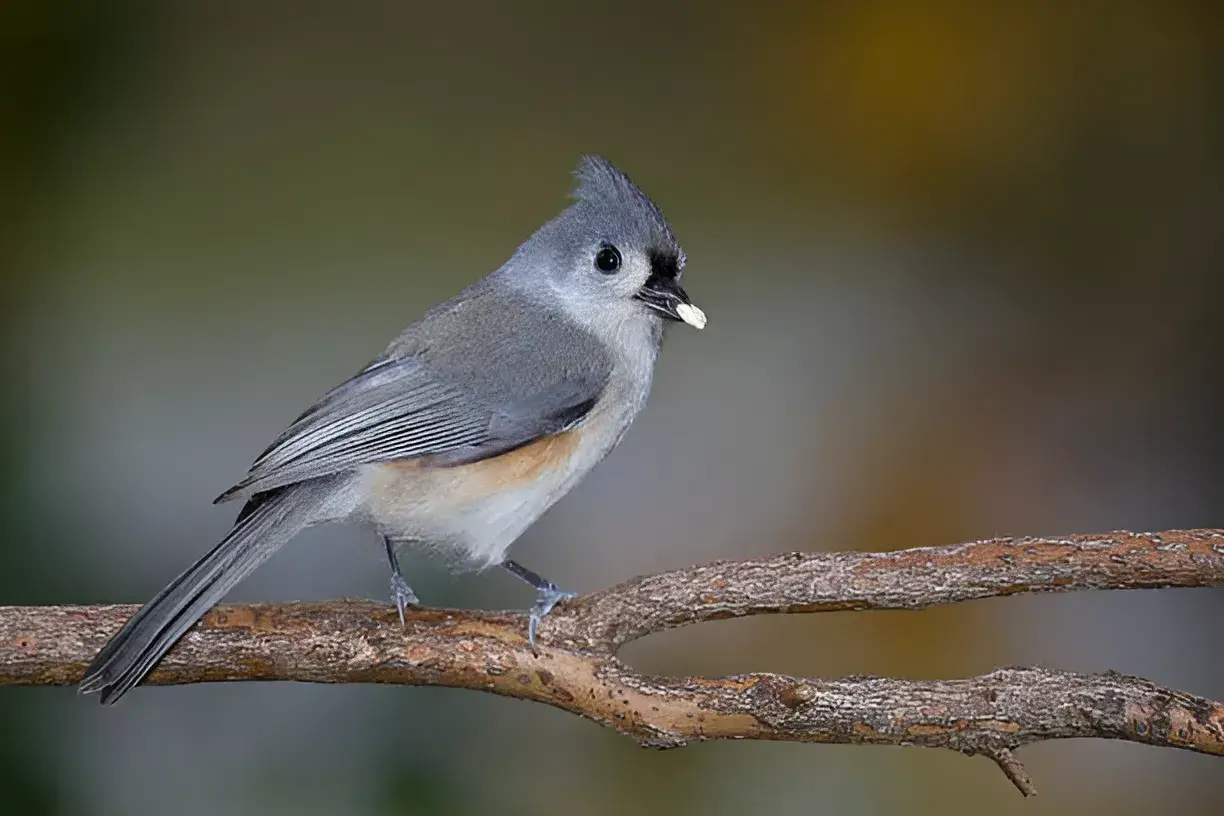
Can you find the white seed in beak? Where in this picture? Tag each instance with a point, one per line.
(691, 315)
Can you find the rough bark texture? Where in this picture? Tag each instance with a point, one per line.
(575, 668)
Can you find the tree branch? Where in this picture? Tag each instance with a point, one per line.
(575, 667)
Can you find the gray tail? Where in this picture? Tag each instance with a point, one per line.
(264, 525)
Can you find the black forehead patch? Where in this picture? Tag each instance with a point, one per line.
(665, 264)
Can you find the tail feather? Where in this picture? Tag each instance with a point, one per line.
(267, 523)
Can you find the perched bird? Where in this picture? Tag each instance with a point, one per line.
(471, 424)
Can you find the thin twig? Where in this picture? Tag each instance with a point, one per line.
(1014, 771)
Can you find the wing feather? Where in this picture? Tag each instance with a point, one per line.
(396, 409)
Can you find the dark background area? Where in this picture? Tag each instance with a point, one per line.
(962, 263)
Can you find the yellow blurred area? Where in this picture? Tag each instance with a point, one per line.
(932, 106)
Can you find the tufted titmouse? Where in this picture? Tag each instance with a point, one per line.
(471, 424)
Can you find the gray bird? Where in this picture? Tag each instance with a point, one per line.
(472, 423)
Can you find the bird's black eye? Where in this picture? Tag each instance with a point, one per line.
(607, 259)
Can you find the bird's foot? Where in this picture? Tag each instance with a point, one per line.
(403, 596)
(549, 597)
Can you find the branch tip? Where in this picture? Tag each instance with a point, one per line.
(1014, 770)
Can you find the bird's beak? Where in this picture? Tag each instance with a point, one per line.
(664, 295)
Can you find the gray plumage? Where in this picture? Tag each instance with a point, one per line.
(470, 425)
(511, 370)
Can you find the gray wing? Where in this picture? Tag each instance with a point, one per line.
(460, 402)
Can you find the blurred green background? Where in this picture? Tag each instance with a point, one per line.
(962, 263)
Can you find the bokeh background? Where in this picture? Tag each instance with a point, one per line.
(962, 264)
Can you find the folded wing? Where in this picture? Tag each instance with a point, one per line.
(399, 409)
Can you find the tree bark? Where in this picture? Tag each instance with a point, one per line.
(574, 666)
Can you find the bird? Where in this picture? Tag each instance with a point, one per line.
(473, 422)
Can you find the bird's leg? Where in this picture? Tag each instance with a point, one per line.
(401, 593)
(549, 595)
